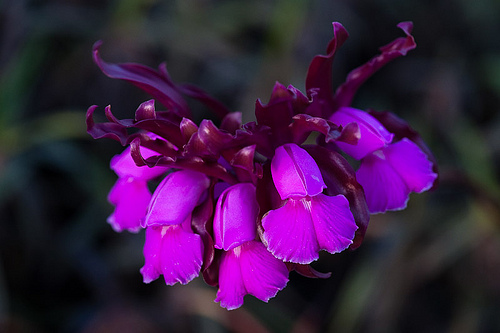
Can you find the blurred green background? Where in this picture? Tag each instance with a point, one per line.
(434, 267)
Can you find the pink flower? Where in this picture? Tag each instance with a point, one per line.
(246, 266)
(174, 251)
(130, 194)
(389, 175)
(249, 269)
(309, 221)
(389, 172)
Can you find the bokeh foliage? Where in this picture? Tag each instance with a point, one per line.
(434, 267)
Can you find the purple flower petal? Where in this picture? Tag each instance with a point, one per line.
(295, 173)
(412, 165)
(264, 274)
(333, 222)
(124, 166)
(131, 198)
(402, 129)
(389, 175)
(235, 219)
(289, 232)
(340, 178)
(152, 250)
(298, 230)
(175, 198)
(174, 251)
(249, 269)
(181, 254)
(231, 286)
(373, 134)
(384, 188)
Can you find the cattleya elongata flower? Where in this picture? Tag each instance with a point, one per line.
(316, 221)
(388, 171)
(245, 204)
(130, 194)
(246, 266)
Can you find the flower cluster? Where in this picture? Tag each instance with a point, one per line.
(245, 204)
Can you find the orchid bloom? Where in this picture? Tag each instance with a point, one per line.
(309, 220)
(130, 194)
(246, 267)
(389, 171)
(171, 247)
(245, 204)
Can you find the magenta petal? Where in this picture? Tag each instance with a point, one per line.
(373, 134)
(389, 175)
(174, 251)
(249, 269)
(181, 255)
(412, 165)
(289, 232)
(264, 275)
(295, 173)
(235, 219)
(231, 287)
(131, 198)
(384, 188)
(152, 247)
(175, 198)
(123, 165)
(333, 222)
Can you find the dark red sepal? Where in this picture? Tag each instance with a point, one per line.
(304, 124)
(397, 48)
(319, 74)
(202, 224)
(307, 271)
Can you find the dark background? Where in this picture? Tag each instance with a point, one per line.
(434, 267)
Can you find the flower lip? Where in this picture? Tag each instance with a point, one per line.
(295, 173)
(249, 269)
